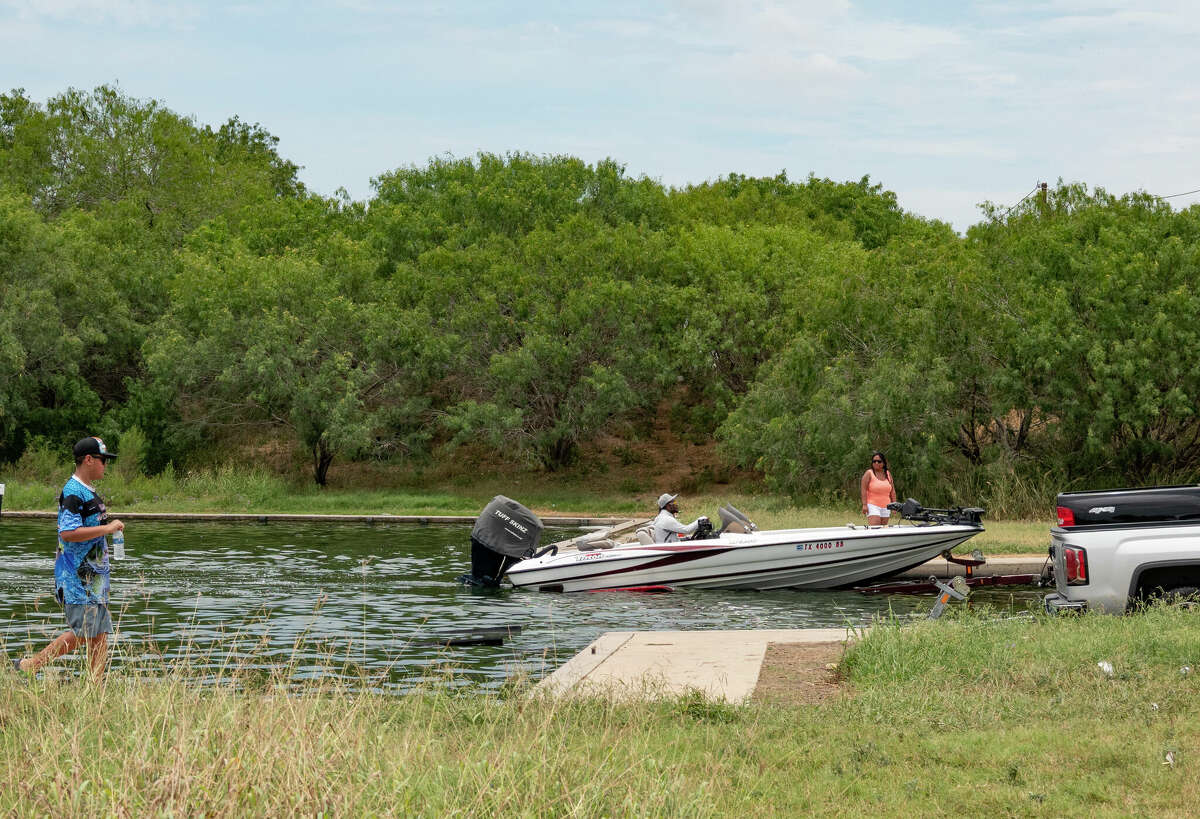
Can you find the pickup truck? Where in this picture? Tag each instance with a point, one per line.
(1115, 549)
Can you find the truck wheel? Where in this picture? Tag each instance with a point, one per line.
(1186, 596)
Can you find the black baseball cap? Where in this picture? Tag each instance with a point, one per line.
(95, 447)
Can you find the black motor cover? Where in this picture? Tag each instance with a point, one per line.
(504, 532)
(507, 527)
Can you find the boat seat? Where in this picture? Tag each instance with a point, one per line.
(595, 545)
(644, 536)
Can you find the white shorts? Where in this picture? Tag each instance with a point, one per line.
(878, 511)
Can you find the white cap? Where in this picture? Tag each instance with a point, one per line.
(664, 499)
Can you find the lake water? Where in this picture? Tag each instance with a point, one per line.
(321, 595)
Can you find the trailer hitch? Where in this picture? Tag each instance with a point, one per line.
(968, 563)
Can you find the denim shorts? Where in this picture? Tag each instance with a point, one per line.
(88, 620)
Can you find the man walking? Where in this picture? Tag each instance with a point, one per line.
(81, 567)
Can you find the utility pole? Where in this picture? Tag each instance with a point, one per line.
(1043, 204)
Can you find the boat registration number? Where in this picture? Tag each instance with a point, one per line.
(820, 545)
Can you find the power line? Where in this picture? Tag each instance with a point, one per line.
(1037, 187)
(1185, 193)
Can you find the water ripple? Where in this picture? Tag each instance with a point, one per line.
(318, 596)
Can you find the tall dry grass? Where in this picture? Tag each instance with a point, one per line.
(976, 713)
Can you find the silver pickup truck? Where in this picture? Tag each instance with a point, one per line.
(1116, 548)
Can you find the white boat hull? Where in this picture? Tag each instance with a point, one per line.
(824, 558)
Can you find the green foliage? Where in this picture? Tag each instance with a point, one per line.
(1095, 298)
(176, 278)
(855, 211)
(131, 446)
(43, 462)
(1050, 347)
(106, 152)
(52, 318)
(268, 340)
(455, 203)
(97, 192)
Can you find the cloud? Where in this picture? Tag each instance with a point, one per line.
(837, 29)
(982, 149)
(1161, 144)
(765, 76)
(127, 13)
(1118, 22)
(934, 103)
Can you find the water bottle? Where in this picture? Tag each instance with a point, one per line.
(118, 545)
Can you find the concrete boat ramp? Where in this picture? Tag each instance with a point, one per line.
(722, 665)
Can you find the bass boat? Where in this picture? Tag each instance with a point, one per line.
(738, 556)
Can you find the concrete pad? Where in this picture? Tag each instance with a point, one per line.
(996, 565)
(723, 665)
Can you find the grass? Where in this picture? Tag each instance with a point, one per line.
(970, 714)
(34, 484)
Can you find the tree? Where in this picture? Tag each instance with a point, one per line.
(53, 320)
(892, 354)
(119, 183)
(304, 340)
(454, 203)
(553, 337)
(853, 211)
(1097, 291)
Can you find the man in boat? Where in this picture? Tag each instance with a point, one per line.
(81, 568)
(666, 528)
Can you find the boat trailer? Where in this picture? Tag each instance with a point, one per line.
(969, 579)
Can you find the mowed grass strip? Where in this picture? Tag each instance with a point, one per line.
(975, 713)
(231, 490)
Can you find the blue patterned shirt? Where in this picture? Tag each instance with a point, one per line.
(81, 569)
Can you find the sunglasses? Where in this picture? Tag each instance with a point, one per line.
(876, 461)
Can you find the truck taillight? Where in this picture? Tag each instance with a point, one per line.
(1075, 562)
(1065, 516)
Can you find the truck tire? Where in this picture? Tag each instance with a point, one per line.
(1187, 596)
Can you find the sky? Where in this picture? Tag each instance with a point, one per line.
(949, 104)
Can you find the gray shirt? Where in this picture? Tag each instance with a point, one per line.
(665, 526)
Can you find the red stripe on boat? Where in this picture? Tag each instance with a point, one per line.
(653, 589)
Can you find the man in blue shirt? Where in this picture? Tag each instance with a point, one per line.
(81, 566)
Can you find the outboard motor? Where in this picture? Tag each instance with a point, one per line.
(504, 532)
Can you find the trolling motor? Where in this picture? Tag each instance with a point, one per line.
(504, 532)
(912, 510)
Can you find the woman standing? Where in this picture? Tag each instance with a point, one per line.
(877, 490)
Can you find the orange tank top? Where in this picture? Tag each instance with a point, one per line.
(879, 490)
